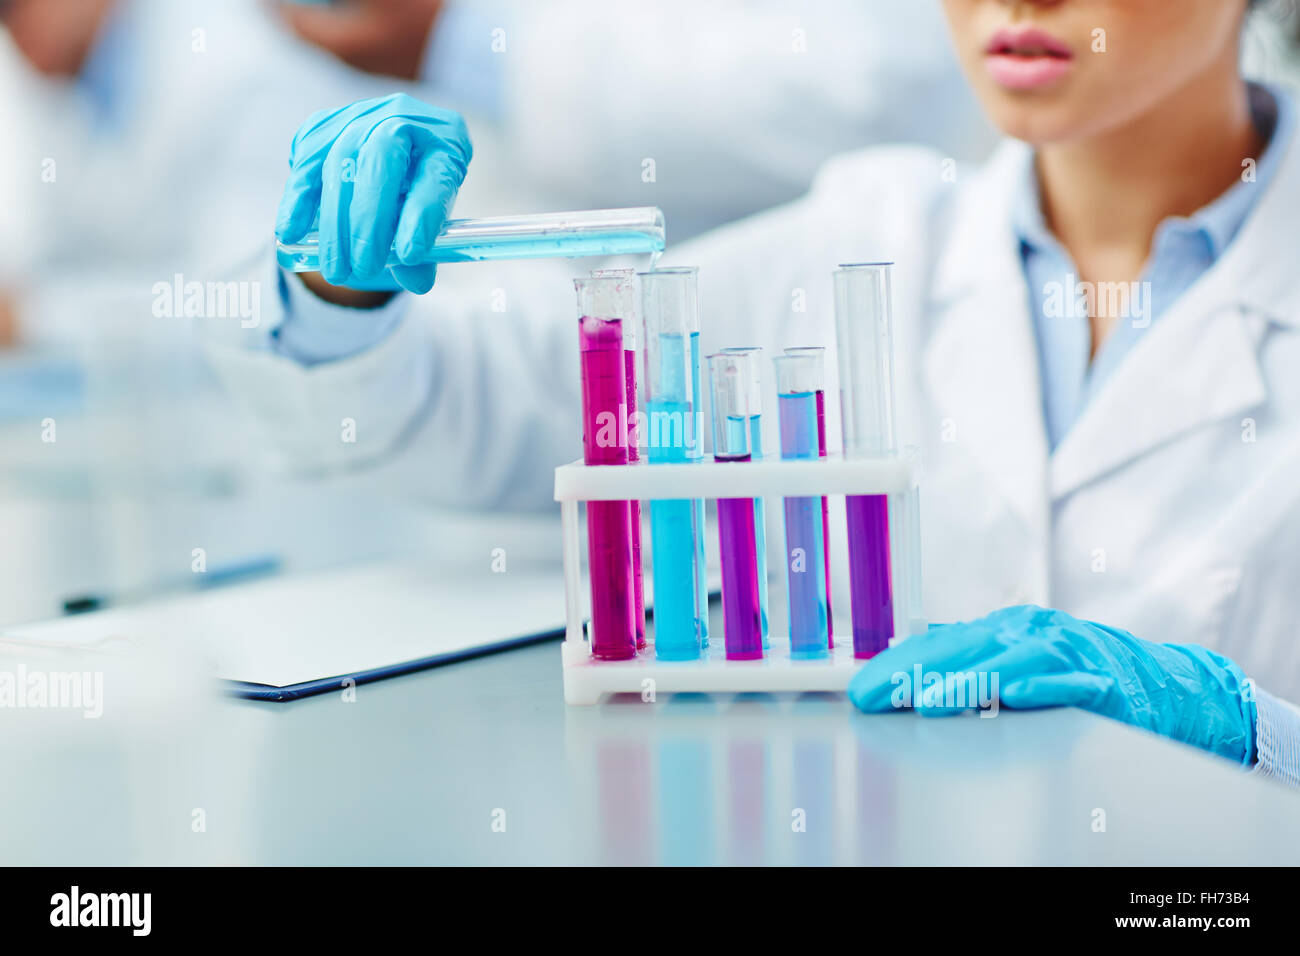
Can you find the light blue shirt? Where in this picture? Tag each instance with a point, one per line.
(464, 65)
(107, 77)
(1183, 250)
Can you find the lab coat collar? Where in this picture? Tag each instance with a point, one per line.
(981, 362)
(1199, 364)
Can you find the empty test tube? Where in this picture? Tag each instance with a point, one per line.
(731, 380)
(604, 305)
(820, 353)
(595, 232)
(798, 383)
(674, 422)
(756, 449)
(864, 337)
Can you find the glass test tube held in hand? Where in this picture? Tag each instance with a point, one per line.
(595, 232)
(756, 450)
(819, 353)
(604, 305)
(731, 379)
(674, 422)
(798, 383)
(864, 336)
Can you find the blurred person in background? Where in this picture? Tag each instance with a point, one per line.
(143, 139)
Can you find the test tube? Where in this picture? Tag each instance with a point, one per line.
(629, 276)
(820, 353)
(594, 232)
(674, 422)
(799, 380)
(702, 599)
(605, 305)
(864, 337)
(731, 379)
(756, 448)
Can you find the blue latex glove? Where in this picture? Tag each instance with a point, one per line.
(376, 171)
(1045, 658)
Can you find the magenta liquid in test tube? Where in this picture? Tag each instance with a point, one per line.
(731, 379)
(819, 351)
(605, 305)
(864, 341)
(630, 322)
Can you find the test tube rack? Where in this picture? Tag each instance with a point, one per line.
(587, 680)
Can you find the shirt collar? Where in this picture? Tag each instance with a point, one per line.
(103, 77)
(1219, 221)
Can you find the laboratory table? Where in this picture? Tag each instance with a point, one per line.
(482, 763)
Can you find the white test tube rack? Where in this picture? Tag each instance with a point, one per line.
(587, 680)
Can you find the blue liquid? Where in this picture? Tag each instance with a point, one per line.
(760, 525)
(676, 526)
(672, 542)
(805, 546)
(303, 256)
(696, 452)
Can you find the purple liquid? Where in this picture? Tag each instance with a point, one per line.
(609, 523)
(742, 623)
(634, 454)
(870, 593)
(826, 516)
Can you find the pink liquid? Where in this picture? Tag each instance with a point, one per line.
(609, 523)
(870, 592)
(826, 516)
(634, 454)
(742, 622)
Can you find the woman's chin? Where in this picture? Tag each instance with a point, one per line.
(1038, 123)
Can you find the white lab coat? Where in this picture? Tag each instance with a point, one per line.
(187, 175)
(1171, 509)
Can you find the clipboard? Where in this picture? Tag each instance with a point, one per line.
(293, 636)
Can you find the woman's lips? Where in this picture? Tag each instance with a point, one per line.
(1026, 58)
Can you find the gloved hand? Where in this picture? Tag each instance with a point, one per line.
(1046, 658)
(377, 170)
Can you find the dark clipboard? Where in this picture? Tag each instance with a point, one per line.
(322, 685)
